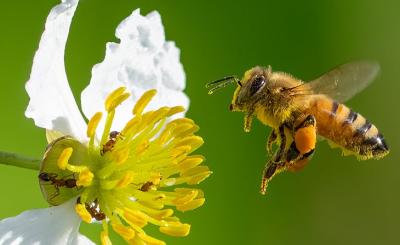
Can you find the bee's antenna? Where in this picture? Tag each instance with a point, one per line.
(222, 83)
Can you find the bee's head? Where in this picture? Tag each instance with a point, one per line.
(250, 88)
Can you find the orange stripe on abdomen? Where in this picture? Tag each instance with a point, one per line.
(348, 129)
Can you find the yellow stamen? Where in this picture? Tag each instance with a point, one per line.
(193, 141)
(126, 232)
(81, 210)
(117, 101)
(135, 217)
(114, 94)
(143, 101)
(191, 205)
(155, 178)
(131, 125)
(186, 198)
(125, 180)
(93, 123)
(75, 168)
(180, 150)
(176, 229)
(194, 171)
(198, 178)
(150, 240)
(190, 162)
(63, 159)
(122, 177)
(174, 110)
(105, 239)
(161, 214)
(142, 147)
(85, 178)
(121, 155)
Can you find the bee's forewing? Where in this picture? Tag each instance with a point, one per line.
(344, 81)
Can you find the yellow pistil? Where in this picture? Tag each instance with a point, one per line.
(121, 177)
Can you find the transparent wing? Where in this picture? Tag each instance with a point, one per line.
(344, 81)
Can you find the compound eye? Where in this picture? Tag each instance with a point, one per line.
(257, 83)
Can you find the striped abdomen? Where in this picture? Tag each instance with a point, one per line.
(348, 129)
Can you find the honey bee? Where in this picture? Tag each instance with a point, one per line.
(297, 112)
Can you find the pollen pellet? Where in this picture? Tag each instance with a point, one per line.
(305, 139)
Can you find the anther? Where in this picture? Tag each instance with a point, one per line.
(63, 159)
(143, 101)
(93, 123)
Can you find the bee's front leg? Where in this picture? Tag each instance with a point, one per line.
(273, 136)
(275, 165)
(248, 119)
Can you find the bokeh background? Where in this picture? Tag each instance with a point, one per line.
(334, 200)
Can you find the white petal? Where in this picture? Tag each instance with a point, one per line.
(55, 225)
(142, 60)
(52, 104)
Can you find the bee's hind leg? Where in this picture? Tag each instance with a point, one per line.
(297, 161)
(302, 149)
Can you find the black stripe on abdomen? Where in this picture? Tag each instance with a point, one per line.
(361, 131)
(335, 106)
(351, 117)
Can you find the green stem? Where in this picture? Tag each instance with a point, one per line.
(13, 159)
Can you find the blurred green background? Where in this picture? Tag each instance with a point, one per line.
(334, 200)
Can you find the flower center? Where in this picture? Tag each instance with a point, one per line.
(126, 178)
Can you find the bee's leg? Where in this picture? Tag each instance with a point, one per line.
(302, 149)
(276, 164)
(273, 136)
(248, 119)
(299, 163)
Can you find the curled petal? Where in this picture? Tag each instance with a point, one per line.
(57, 225)
(52, 104)
(142, 60)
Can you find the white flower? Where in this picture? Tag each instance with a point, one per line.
(142, 60)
